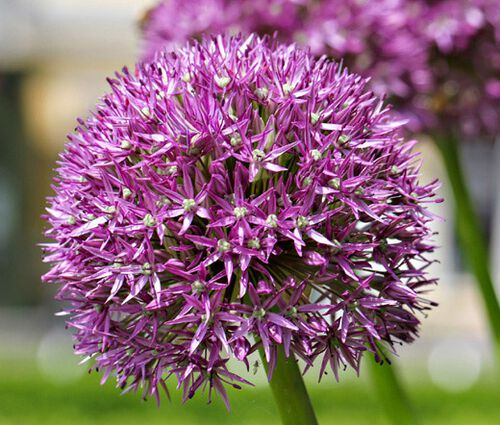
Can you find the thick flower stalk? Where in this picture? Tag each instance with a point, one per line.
(232, 196)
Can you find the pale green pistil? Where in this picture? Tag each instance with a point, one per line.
(125, 144)
(259, 314)
(254, 243)
(172, 170)
(222, 81)
(126, 192)
(302, 221)
(344, 138)
(223, 245)
(336, 248)
(146, 269)
(258, 154)
(240, 212)
(148, 220)
(262, 92)
(198, 286)
(334, 183)
(316, 154)
(235, 140)
(188, 204)
(272, 220)
(287, 88)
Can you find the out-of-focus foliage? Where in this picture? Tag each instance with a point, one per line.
(26, 398)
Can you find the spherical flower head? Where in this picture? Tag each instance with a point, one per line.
(183, 249)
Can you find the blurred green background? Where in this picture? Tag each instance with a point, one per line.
(54, 57)
(27, 398)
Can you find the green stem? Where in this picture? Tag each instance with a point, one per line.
(289, 391)
(470, 233)
(391, 394)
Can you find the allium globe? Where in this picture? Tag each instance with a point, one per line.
(235, 195)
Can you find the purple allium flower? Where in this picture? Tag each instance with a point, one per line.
(464, 58)
(437, 60)
(373, 38)
(232, 195)
(173, 22)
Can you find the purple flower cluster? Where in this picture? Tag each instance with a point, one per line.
(438, 60)
(235, 195)
(462, 38)
(173, 22)
(369, 36)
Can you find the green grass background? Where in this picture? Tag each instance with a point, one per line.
(26, 398)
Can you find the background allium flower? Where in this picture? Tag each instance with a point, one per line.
(173, 22)
(373, 38)
(464, 59)
(232, 195)
(437, 60)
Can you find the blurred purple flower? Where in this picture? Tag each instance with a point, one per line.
(437, 60)
(464, 58)
(232, 195)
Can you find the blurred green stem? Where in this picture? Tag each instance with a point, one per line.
(289, 391)
(391, 394)
(470, 233)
